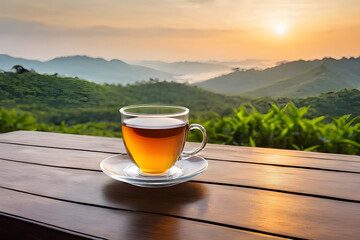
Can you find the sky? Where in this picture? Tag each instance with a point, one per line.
(178, 30)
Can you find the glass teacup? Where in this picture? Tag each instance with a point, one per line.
(155, 135)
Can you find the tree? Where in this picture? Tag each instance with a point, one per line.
(20, 69)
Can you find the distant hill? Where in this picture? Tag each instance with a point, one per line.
(239, 82)
(334, 104)
(247, 63)
(53, 99)
(93, 69)
(185, 67)
(311, 83)
(255, 82)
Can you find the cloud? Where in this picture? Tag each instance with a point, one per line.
(201, 1)
(13, 27)
(10, 26)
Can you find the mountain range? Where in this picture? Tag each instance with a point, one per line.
(116, 71)
(291, 79)
(287, 79)
(96, 70)
(184, 68)
(190, 71)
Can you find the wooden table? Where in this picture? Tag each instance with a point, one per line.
(51, 187)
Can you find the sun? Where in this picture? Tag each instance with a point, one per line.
(280, 29)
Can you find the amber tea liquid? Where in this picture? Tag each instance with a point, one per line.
(154, 144)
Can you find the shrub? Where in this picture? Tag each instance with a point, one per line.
(279, 128)
(11, 121)
(286, 128)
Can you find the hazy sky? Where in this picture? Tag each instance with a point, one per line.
(175, 30)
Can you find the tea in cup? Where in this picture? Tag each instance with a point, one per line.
(155, 135)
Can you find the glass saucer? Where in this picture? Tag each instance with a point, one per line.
(121, 168)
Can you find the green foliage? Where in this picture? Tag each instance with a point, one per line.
(76, 106)
(53, 99)
(11, 121)
(334, 104)
(46, 90)
(105, 129)
(279, 128)
(286, 128)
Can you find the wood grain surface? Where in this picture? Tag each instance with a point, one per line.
(267, 211)
(293, 158)
(96, 222)
(13, 227)
(52, 183)
(331, 184)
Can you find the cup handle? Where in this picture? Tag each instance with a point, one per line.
(186, 154)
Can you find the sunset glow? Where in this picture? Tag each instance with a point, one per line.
(280, 30)
(181, 30)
